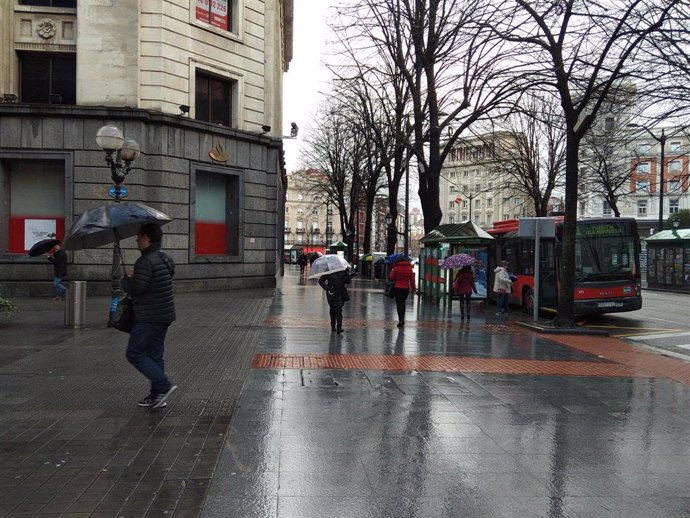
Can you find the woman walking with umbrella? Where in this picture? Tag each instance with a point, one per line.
(333, 273)
(464, 285)
(402, 275)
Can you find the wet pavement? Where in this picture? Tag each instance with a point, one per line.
(278, 417)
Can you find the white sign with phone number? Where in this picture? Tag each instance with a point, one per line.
(37, 229)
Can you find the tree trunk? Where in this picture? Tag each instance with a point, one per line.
(565, 317)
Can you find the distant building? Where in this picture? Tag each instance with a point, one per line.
(639, 196)
(311, 221)
(473, 185)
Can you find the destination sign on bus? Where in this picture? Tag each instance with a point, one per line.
(601, 229)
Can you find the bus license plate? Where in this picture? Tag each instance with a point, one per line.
(610, 304)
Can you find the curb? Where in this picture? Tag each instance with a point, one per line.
(546, 329)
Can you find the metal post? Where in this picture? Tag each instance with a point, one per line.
(537, 258)
(662, 142)
(407, 204)
(116, 291)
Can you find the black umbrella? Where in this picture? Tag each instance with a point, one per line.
(43, 246)
(111, 222)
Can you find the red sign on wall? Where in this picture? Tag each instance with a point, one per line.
(214, 12)
(219, 13)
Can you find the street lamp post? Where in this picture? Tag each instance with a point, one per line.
(111, 140)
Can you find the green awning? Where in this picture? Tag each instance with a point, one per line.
(466, 232)
(681, 234)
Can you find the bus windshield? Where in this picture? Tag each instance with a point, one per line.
(604, 258)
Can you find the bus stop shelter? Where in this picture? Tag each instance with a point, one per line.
(446, 240)
(668, 260)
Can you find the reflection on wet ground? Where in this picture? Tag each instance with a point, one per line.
(345, 442)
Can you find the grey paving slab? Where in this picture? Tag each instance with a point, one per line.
(282, 443)
(373, 443)
(72, 440)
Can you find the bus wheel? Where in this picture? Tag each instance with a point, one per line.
(527, 301)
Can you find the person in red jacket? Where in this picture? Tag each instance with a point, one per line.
(464, 285)
(403, 277)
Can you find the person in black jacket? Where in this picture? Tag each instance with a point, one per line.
(59, 260)
(150, 284)
(336, 295)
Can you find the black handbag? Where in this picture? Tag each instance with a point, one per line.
(389, 289)
(123, 318)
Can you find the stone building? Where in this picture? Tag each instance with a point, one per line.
(473, 183)
(311, 222)
(198, 85)
(637, 164)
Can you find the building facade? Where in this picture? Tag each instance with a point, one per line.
(311, 221)
(198, 86)
(473, 183)
(639, 195)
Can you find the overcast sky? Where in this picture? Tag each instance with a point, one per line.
(306, 76)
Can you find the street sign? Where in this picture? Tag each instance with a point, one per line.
(536, 228)
(528, 227)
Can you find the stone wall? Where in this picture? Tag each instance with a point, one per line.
(173, 149)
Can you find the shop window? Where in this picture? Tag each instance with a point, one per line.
(36, 201)
(217, 214)
(47, 79)
(214, 99)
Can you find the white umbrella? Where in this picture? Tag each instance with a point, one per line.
(328, 264)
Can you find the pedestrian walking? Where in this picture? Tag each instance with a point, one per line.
(150, 284)
(58, 257)
(402, 276)
(502, 286)
(302, 260)
(464, 285)
(335, 285)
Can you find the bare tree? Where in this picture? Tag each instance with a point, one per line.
(583, 50)
(331, 148)
(529, 145)
(452, 66)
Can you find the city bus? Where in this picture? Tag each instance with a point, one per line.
(607, 265)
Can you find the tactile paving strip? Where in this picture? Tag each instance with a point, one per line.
(439, 364)
(320, 323)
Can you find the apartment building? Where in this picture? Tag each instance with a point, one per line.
(639, 161)
(197, 84)
(474, 185)
(311, 222)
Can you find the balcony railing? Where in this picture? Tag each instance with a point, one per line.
(300, 231)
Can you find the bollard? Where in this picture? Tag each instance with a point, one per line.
(75, 304)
